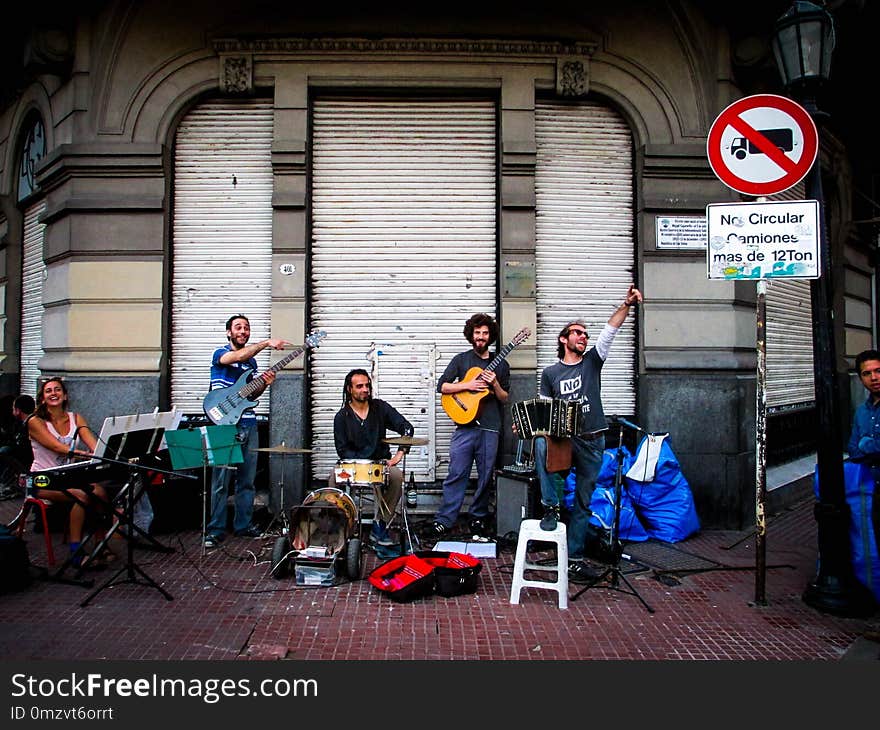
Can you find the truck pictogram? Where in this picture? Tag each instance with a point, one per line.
(740, 147)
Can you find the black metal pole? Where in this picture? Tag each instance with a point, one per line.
(834, 588)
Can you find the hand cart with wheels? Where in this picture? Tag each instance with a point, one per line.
(323, 544)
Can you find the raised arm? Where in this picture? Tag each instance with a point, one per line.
(249, 351)
(632, 298)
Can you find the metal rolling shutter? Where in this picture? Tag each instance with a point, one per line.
(404, 251)
(789, 344)
(33, 274)
(222, 238)
(584, 253)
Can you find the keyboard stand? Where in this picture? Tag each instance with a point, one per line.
(129, 494)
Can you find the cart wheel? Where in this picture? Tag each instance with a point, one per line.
(280, 560)
(353, 559)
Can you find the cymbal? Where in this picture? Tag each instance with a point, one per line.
(282, 449)
(406, 441)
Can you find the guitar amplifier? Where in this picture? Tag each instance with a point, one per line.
(517, 498)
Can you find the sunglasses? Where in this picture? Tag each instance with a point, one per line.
(578, 333)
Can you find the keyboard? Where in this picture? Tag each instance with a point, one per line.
(519, 468)
(75, 474)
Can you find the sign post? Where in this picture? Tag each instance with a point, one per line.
(762, 145)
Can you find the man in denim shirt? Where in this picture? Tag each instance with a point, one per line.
(864, 441)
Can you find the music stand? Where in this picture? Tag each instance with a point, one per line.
(135, 446)
(216, 446)
(615, 548)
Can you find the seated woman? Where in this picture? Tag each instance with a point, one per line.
(54, 431)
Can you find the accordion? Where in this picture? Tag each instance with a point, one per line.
(546, 417)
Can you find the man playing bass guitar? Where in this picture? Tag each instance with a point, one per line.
(477, 439)
(227, 366)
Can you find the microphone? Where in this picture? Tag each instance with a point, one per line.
(621, 420)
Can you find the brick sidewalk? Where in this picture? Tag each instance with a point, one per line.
(226, 606)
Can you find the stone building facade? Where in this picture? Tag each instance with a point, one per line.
(163, 166)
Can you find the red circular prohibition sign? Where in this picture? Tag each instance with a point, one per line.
(791, 171)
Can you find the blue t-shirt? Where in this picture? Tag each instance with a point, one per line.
(224, 376)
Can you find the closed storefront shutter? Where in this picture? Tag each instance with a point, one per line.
(789, 336)
(584, 256)
(404, 251)
(222, 238)
(33, 274)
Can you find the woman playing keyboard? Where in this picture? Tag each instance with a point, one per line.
(54, 431)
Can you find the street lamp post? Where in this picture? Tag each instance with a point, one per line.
(802, 45)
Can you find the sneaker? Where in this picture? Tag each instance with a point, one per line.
(379, 535)
(550, 518)
(249, 531)
(438, 530)
(211, 541)
(478, 527)
(579, 572)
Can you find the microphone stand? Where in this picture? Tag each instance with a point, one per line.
(615, 548)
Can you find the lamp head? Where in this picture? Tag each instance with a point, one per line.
(803, 40)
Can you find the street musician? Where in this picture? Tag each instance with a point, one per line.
(54, 431)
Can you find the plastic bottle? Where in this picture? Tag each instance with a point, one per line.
(412, 496)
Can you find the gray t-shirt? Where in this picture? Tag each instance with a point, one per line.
(581, 381)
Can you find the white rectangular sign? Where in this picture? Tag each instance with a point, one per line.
(763, 240)
(681, 231)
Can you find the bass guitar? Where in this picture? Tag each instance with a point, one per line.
(224, 406)
(464, 406)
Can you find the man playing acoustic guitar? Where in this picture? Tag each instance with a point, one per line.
(476, 440)
(227, 366)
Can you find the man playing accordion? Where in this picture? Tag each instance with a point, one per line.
(576, 376)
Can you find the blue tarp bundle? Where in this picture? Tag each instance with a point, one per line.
(661, 508)
(859, 494)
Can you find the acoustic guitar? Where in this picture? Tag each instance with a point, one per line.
(224, 406)
(464, 406)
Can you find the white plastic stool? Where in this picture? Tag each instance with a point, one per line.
(531, 530)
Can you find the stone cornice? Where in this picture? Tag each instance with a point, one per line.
(398, 46)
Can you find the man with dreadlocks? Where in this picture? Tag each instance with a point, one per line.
(359, 432)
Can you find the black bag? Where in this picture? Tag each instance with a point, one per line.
(455, 574)
(15, 573)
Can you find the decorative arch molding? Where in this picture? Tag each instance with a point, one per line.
(34, 99)
(166, 87)
(236, 67)
(232, 68)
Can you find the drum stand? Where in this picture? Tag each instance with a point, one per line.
(405, 532)
(615, 549)
(284, 451)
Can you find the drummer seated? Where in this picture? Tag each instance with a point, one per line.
(359, 431)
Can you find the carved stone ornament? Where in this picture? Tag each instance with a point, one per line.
(237, 74)
(572, 77)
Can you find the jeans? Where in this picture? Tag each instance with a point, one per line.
(244, 485)
(586, 458)
(468, 445)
